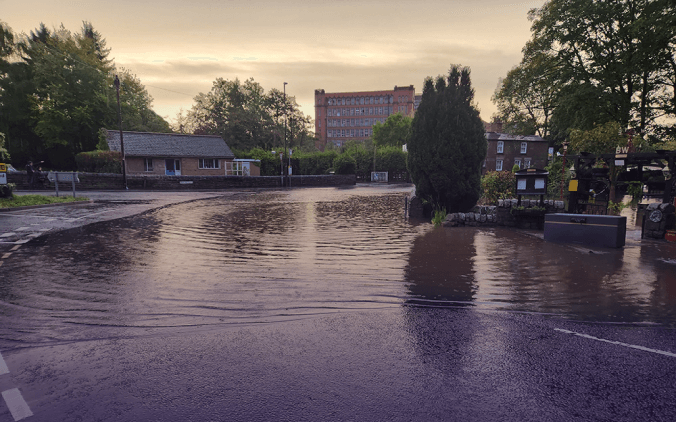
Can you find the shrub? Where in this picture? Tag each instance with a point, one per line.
(344, 164)
(99, 162)
(7, 191)
(497, 185)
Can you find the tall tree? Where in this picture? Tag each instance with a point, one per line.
(396, 131)
(526, 97)
(247, 117)
(448, 144)
(136, 106)
(57, 91)
(614, 60)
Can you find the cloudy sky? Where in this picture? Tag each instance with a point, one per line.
(178, 48)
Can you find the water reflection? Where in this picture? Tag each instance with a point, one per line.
(255, 258)
(509, 270)
(272, 256)
(440, 268)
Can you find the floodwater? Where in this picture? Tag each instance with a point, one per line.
(271, 256)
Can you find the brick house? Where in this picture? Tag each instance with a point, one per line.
(173, 154)
(505, 150)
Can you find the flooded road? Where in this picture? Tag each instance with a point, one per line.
(273, 256)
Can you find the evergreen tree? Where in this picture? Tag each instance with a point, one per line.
(448, 144)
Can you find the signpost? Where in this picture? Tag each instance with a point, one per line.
(56, 177)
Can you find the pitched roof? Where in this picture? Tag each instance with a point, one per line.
(149, 144)
(509, 137)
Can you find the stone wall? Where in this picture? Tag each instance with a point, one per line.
(103, 181)
(528, 215)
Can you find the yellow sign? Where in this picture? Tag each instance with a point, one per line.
(572, 187)
(3, 168)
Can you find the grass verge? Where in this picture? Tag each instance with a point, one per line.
(27, 200)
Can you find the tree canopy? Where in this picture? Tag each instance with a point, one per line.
(448, 144)
(593, 62)
(248, 117)
(56, 93)
(395, 131)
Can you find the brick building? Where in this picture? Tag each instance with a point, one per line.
(344, 116)
(505, 150)
(175, 154)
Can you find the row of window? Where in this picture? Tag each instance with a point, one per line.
(354, 122)
(501, 147)
(357, 111)
(361, 100)
(203, 163)
(349, 133)
(526, 163)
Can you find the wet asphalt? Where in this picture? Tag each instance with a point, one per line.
(378, 363)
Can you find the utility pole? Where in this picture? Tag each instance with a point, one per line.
(285, 150)
(119, 118)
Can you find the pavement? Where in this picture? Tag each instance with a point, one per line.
(20, 225)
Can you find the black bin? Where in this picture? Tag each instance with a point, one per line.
(607, 231)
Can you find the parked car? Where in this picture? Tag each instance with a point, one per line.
(11, 169)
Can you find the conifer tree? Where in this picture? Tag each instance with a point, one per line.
(448, 144)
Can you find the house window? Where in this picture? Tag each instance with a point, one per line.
(524, 147)
(234, 168)
(498, 165)
(209, 163)
(501, 147)
(526, 162)
(148, 164)
(517, 161)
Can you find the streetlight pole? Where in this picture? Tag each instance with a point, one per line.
(119, 119)
(563, 168)
(285, 150)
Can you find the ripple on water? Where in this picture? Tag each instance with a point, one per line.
(265, 257)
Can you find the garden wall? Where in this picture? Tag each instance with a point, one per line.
(528, 215)
(102, 181)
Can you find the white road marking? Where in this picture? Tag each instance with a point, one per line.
(7, 234)
(3, 366)
(7, 255)
(16, 404)
(15, 247)
(619, 343)
(22, 241)
(22, 229)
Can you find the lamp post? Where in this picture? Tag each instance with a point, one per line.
(284, 105)
(563, 168)
(119, 118)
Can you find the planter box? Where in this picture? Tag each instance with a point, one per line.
(591, 230)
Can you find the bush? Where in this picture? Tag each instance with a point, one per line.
(7, 191)
(344, 164)
(497, 185)
(99, 162)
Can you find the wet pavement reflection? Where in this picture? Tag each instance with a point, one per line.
(271, 256)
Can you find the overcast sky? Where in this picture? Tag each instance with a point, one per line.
(178, 48)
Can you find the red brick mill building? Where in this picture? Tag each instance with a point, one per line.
(343, 116)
